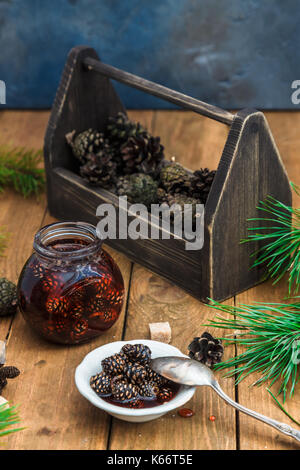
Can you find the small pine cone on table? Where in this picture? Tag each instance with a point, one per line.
(7, 372)
(206, 349)
(8, 297)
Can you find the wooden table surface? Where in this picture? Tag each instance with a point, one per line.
(56, 416)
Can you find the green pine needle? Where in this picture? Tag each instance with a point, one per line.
(21, 169)
(269, 334)
(282, 408)
(8, 417)
(280, 234)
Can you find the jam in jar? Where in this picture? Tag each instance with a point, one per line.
(70, 289)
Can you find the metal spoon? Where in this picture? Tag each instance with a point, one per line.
(190, 372)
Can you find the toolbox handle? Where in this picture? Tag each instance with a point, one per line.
(185, 101)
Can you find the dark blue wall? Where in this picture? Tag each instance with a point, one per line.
(232, 53)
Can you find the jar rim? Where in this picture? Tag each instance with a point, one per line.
(60, 230)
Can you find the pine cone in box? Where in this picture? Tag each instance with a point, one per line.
(142, 154)
(85, 143)
(180, 199)
(174, 178)
(119, 129)
(206, 349)
(100, 169)
(139, 188)
(201, 182)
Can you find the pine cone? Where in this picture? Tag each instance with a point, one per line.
(148, 389)
(201, 182)
(101, 383)
(100, 169)
(8, 297)
(114, 365)
(206, 349)
(86, 142)
(7, 372)
(139, 188)
(123, 391)
(165, 394)
(119, 129)
(174, 178)
(137, 352)
(142, 154)
(135, 373)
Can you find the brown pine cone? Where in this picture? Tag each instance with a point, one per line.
(101, 383)
(7, 372)
(206, 349)
(201, 182)
(142, 153)
(114, 365)
(135, 373)
(100, 169)
(123, 391)
(137, 352)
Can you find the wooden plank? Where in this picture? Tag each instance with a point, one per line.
(153, 299)
(21, 218)
(254, 435)
(24, 128)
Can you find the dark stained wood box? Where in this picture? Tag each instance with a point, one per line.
(250, 168)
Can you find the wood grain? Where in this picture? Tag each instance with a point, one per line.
(254, 435)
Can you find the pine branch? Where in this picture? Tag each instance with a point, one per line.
(270, 337)
(8, 417)
(281, 250)
(21, 169)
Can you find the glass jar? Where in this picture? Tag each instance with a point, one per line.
(70, 289)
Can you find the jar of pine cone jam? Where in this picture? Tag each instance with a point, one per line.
(70, 289)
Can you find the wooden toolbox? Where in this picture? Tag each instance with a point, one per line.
(250, 168)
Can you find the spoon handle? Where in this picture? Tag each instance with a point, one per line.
(282, 427)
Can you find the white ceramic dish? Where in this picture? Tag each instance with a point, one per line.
(91, 365)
